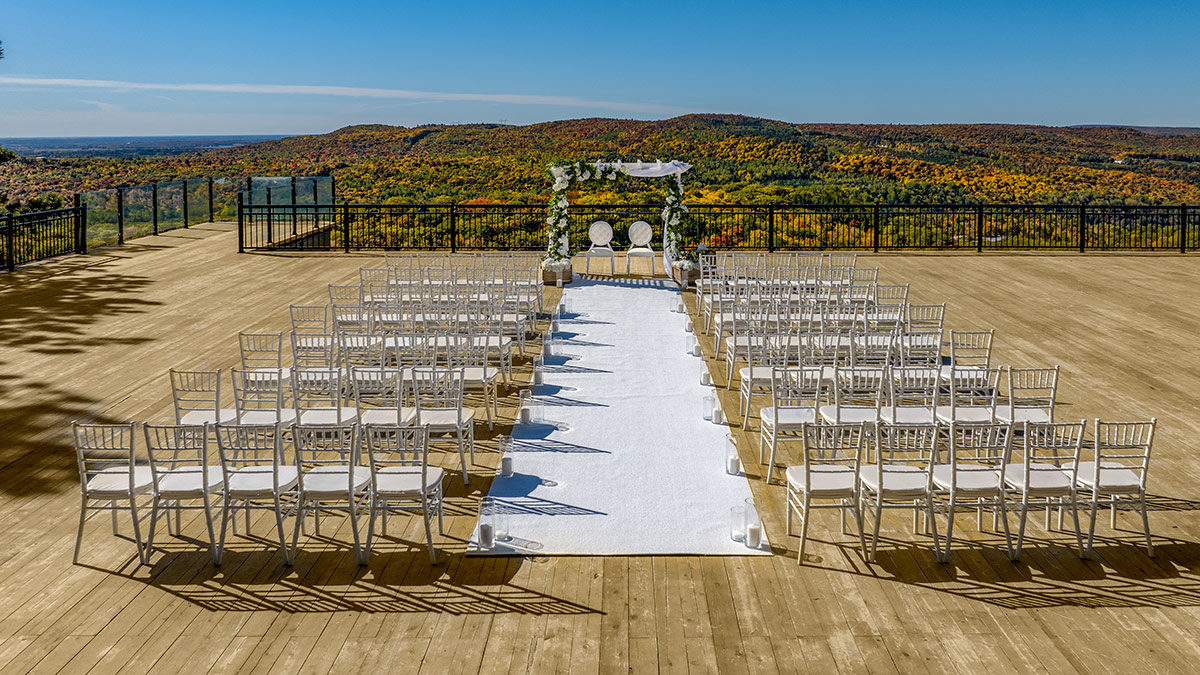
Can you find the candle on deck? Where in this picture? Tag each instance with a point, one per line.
(718, 415)
(705, 378)
(506, 466)
(526, 416)
(682, 308)
(732, 466)
(696, 349)
(688, 326)
(753, 535)
(487, 536)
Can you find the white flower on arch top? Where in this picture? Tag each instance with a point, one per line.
(558, 223)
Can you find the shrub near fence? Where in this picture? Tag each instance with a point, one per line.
(768, 227)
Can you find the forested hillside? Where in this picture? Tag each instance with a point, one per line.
(737, 159)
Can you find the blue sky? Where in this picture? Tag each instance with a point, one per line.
(153, 68)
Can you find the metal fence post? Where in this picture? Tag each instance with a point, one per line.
(10, 240)
(211, 218)
(332, 190)
(241, 224)
(771, 229)
(294, 221)
(453, 229)
(1183, 228)
(979, 228)
(185, 203)
(120, 215)
(80, 225)
(250, 189)
(875, 227)
(270, 217)
(154, 200)
(346, 226)
(1082, 228)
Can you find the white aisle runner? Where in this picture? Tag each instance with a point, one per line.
(624, 464)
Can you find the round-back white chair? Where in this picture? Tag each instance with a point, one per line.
(601, 235)
(640, 234)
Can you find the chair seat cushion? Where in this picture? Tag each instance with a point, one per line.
(902, 414)
(1114, 477)
(404, 416)
(335, 480)
(756, 374)
(327, 415)
(189, 481)
(826, 481)
(1018, 415)
(258, 481)
(478, 374)
(115, 481)
(969, 414)
(787, 417)
(1043, 478)
(898, 480)
(849, 414)
(256, 417)
(222, 415)
(976, 479)
(444, 419)
(405, 481)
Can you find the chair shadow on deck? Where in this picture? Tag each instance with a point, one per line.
(1049, 574)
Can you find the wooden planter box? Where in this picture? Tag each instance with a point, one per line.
(551, 278)
(684, 278)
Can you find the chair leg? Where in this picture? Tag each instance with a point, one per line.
(949, 531)
(283, 543)
(462, 457)
(371, 512)
(875, 530)
(143, 554)
(79, 531)
(425, 515)
(1092, 524)
(856, 508)
(803, 529)
(1146, 524)
(209, 524)
(154, 523)
(1021, 526)
(1083, 554)
(931, 524)
(1000, 503)
(358, 549)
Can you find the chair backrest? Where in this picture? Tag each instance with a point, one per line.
(971, 348)
(894, 295)
(906, 444)
(1050, 447)
(828, 445)
(982, 448)
(195, 390)
(325, 445)
(872, 350)
(261, 350)
(309, 318)
(177, 446)
(353, 318)
(373, 275)
(387, 446)
(824, 349)
(848, 260)
(797, 386)
(1122, 445)
(378, 388)
(104, 447)
(247, 446)
(858, 388)
(259, 389)
(600, 233)
(973, 388)
(317, 389)
(345, 294)
(437, 389)
(913, 387)
(1032, 388)
(926, 318)
(920, 348)
(361, 349)
(640, 233)
(314, 350)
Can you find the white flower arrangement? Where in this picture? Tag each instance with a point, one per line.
(685, 265)
(556, 265)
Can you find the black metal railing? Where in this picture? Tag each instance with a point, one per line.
(27, 237)
(771, 227)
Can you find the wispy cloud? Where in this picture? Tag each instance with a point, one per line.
(102, 105)
(353, 92)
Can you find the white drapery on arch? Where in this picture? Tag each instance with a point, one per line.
(673, 169)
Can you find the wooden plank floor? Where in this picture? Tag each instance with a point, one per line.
(91, 338)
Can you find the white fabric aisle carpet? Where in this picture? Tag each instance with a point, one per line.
(624, 464)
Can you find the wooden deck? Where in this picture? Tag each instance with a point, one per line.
(91, 338)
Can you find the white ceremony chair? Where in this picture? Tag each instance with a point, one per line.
(197, 397)
(912, 396)
(317, 395)
(640, 234)
(970, 349)
(345, 294)
(899, 475)
(471, 357)
(756, 377)
(974, 475)
(795, 396)
(262, 351)
(259, 395)
(438, 393)
(314, 350)
(310, 319)
(891, 295)
(872, 350)
(600, 234)
(920, 348)
(110, 477)
(1117, 472)
(1031, 394)
(401, 478)
(182, 472)
(857, 396)
(380, 396)
(330, 477)
(257, 476)
(1045, 476)
(926, 318)
(827, 477)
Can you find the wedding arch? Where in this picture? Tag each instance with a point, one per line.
(558, 223)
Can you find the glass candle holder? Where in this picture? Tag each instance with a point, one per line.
(705, 378)
(525, 416)
(487, 523)
(681, 308)
(753, 525)
(548, 345)
(733, 461)
(707, 406)
(737, 523)
(687, 327)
